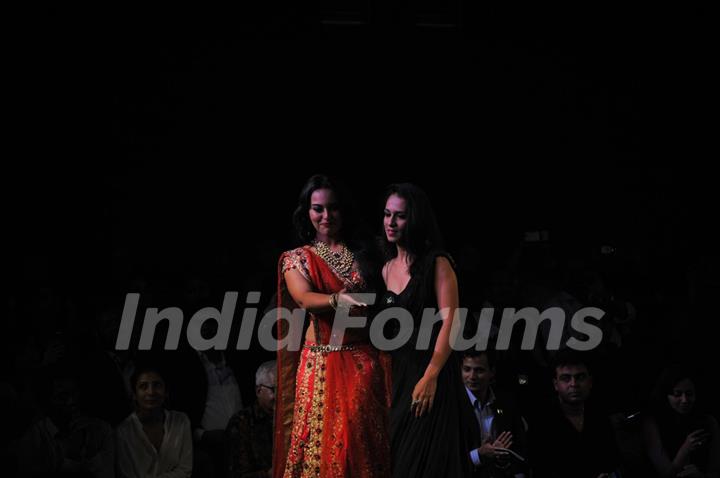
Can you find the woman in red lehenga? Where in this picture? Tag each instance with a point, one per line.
(331, 417)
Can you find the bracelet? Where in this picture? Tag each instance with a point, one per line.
(333, 300)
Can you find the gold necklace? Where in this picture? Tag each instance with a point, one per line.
(341, 261)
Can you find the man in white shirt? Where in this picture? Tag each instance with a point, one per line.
(222, 401)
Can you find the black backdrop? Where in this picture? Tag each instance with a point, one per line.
(160, 142)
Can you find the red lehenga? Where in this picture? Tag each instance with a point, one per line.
(331, 416)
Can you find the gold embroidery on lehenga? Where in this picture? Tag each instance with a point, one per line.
(296, 259)
(348, 418)
(304, 459)
(316, 416)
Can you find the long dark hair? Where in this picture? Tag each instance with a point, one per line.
(353, 233)
(673, 426)
(664, 386)
(422, 234)
(301, 218)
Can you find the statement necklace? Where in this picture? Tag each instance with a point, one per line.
(341, 260)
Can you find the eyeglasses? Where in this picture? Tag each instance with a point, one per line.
(272, 389)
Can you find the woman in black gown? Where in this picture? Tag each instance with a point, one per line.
(430, 420)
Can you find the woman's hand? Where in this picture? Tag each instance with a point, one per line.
(347, 301)
(693, 441)
(690, 471)
(423, 395)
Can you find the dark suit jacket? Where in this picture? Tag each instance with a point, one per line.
(507, 418)
(249, 441)
(559, 450)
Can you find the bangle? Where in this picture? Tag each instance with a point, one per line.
(333, 300)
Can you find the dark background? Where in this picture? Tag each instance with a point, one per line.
(164, 149)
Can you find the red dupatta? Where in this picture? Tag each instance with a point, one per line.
(323, 280)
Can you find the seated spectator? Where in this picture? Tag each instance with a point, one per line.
(10, 417)
(64, 440)
(207, 390)
(250, 431)
(571, 437)
(220, 399)
(153, 441)
(500, 425)
(110, 368)
(680, 439)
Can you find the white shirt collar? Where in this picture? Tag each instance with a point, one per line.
(474, 399)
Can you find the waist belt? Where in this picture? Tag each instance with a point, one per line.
(330, 348)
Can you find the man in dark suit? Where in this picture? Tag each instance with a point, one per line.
(573, 437)
(249, 434)
(500, 425)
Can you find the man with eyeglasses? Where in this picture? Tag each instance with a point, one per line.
(249, 435)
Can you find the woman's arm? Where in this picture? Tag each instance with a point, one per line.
(659, 457)
(302, 293)
(183, 468)
(125, 455)
(713, 469)
(655, 451)
(446, 289)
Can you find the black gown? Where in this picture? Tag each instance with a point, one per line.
(439, 443)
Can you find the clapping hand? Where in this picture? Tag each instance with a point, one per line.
(493, 450)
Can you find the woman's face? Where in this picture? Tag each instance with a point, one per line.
(682, 396)
(150, 391)
(395, 218)
(325, 214)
